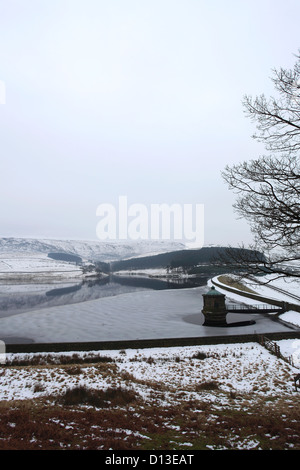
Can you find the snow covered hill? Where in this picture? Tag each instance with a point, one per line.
(88, 250)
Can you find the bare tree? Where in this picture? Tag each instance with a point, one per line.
(268, 188)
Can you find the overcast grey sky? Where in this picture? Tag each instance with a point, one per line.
(106, 98)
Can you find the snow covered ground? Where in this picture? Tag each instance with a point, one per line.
(225, 396)
(285, 289)
(88, 249)
(27, 260)
(243, 368)
(26, 266)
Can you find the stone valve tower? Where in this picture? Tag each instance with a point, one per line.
(214, 309)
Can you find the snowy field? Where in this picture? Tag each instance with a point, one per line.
(36, 266)
(236, 367)
(182, 395)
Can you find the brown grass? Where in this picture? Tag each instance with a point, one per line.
(229, 281)
(52, 359)
(118, 417)
(210, 385)
(136, 425)
(82, 395)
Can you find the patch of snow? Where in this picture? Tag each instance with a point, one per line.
(235, 367)
(34, 264)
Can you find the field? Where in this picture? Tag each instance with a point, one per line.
(233, 396)
(29, 267)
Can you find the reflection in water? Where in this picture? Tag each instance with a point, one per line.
(17, 300)
(159, 283)
(63, 290)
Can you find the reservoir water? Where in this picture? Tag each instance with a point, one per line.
(113, 309)
(19, 298)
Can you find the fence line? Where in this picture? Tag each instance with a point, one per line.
(275, 349)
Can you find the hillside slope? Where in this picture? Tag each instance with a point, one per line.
(88, 250)
(179, 258)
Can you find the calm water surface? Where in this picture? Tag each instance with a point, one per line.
(19, 298)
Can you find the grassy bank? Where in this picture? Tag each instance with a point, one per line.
(231, 282)
(154, 399)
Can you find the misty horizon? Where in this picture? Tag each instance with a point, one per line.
(145, 100)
